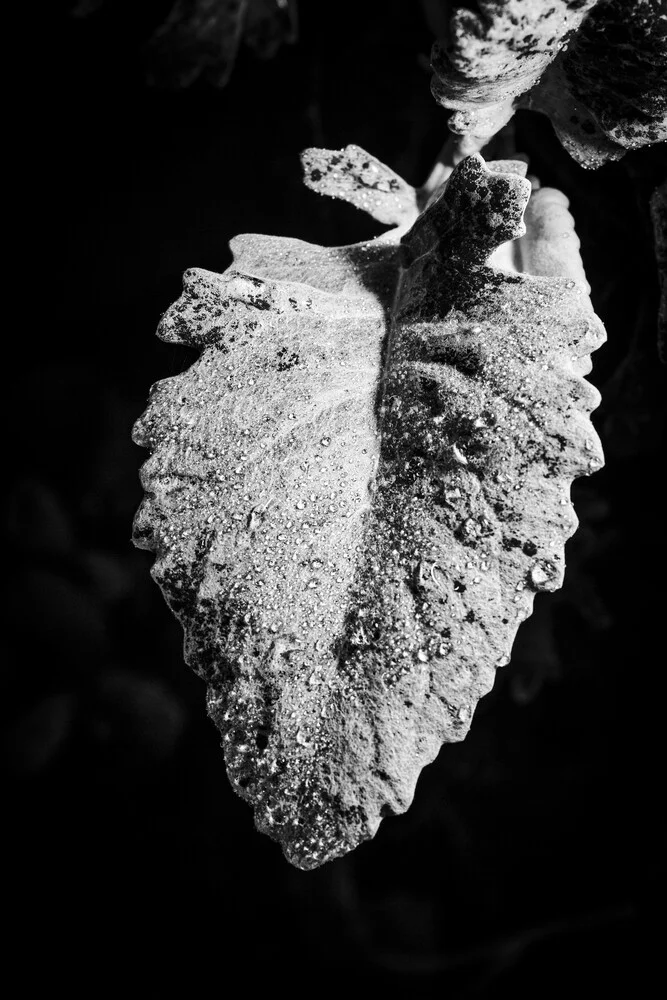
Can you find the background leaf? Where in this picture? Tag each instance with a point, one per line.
(597, 68)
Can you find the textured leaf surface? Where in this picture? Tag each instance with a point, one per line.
(355, 492)
(597, 68)
(352, 175)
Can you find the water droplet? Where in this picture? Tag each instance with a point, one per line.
(544, 575)
(458, 455)
(470, 528)
(325, 442)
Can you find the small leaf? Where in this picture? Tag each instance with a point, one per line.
(353, 175)
(356, 491)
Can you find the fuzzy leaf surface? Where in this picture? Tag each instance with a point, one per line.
(355, 492)
(597, 68)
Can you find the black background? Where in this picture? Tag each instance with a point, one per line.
(529, 860)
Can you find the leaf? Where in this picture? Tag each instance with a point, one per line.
(487, 60)
(352, 175)
(202, 37)
(597, 68)
(355, 492)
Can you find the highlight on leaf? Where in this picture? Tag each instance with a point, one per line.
(353, 175)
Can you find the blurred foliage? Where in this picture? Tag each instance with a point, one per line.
(200, 38)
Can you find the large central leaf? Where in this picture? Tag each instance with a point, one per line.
(357, 489)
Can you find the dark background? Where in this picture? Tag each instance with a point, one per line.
(529, 861)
